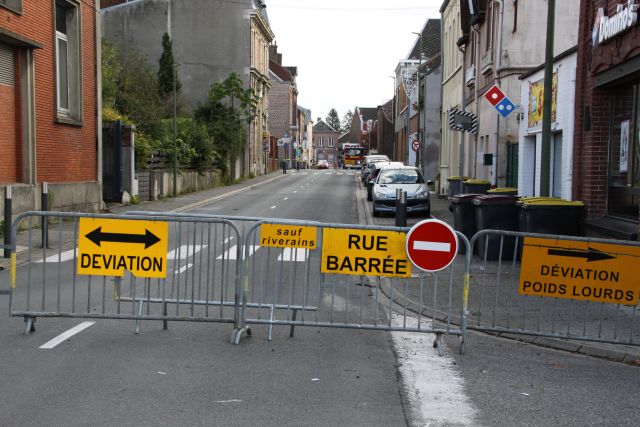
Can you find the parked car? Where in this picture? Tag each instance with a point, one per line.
(322, 164)
(406, 178)
(376, 167)
(368, 162)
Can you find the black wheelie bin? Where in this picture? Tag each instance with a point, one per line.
(496, 212)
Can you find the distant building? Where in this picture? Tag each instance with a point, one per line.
(283, 104)
(384, 129)
(50, 127)
(362, 124)
(325, 141)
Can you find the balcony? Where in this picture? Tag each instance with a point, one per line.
(470, 76)
(486, 61)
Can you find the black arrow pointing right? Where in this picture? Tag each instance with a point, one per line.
(97, 237)
(590, 254)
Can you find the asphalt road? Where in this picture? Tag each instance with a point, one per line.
(189, 374)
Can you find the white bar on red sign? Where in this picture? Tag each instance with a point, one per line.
(431, 246)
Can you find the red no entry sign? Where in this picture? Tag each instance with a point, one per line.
(415, 144)
(432, 245)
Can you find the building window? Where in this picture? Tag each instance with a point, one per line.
(331, 142)
(320, 142)
(13, 5)
(68, 75)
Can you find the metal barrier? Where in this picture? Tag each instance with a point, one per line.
(201, 284)
(498, 305)
(291, 278)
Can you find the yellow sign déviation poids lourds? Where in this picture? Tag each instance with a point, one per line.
(289, 236)
(364, 252)
(108, 247)
(580, 270)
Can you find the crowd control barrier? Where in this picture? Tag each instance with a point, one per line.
(555, 286)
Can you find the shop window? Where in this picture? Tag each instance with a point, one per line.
(623, 196)
(68, 75)
(14, 5)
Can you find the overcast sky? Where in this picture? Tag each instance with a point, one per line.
(346, 49)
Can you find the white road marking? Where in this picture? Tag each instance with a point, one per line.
(288, 254)
(340, 173)
(63, 257)
(227, 240)
(273, 207)
(184, 268)
(432, 384)
(286, 198)
(295, 191)
(228, 401)
(431, 246)
(231, 253)
(184, 250)
(66, 335)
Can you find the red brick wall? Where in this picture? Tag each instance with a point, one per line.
(590, 151)
(64, 153)
(8, 141)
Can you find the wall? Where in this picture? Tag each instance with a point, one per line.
(211, 38)
(529, 150)
(431, 124)
(452, 77)
(154, 184)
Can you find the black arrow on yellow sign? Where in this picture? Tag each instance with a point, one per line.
(590, 254)
(97, 237)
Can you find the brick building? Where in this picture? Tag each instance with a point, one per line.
(283, 104)
(384, 129)
(325, 141)
(606, 153)
(49, 93)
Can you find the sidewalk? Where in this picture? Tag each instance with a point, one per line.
(615, 352)
(63, 232)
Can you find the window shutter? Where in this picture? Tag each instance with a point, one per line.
(6, 65)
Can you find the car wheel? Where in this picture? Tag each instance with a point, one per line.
(369, 194)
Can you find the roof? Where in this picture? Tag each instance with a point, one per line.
(280, 71)
(322, 126)
(368, 114)
(430, 40)
(387, 110)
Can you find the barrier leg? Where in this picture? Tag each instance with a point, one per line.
(165, 323)
(138, 321)
(439, 344)
(270, 328)
(293, 327)
(29, 325)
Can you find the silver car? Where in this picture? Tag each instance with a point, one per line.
(406, 178)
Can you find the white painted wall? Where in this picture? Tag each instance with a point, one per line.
(530, 139)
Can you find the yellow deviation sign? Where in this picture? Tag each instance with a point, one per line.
(580, 270)
(288, 236)
(364, 252)
(108, 247)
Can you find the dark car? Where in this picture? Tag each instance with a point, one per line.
(367, 165)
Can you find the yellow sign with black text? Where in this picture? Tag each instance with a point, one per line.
(364, 253)
(288, 236)
(108, 247)
(580, 270)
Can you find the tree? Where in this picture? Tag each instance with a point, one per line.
(333, 119)
(226, 113)
(167, 68)
(346, 121)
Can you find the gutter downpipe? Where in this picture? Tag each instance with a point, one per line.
(463, 71)
(475, 100)
(442, 113)
(496, 77)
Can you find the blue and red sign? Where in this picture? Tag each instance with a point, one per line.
(499, 100)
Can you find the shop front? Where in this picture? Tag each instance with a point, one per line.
(606, 173)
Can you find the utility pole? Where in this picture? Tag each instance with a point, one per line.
(175, 140)
(545, 157)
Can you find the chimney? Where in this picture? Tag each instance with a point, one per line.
(279, 61)
(273, 52)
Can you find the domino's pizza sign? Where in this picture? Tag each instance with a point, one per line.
(500, 102)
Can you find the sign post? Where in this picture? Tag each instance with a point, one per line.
(432, 245)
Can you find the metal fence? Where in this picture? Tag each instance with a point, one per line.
(202, 281)
(291, 279)
(496, 305)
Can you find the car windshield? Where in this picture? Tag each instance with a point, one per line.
(353, 151)
(400, 176)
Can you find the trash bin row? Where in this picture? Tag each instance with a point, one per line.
(500, 211)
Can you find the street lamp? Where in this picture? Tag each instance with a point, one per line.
(393, 110)
(418, 103)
